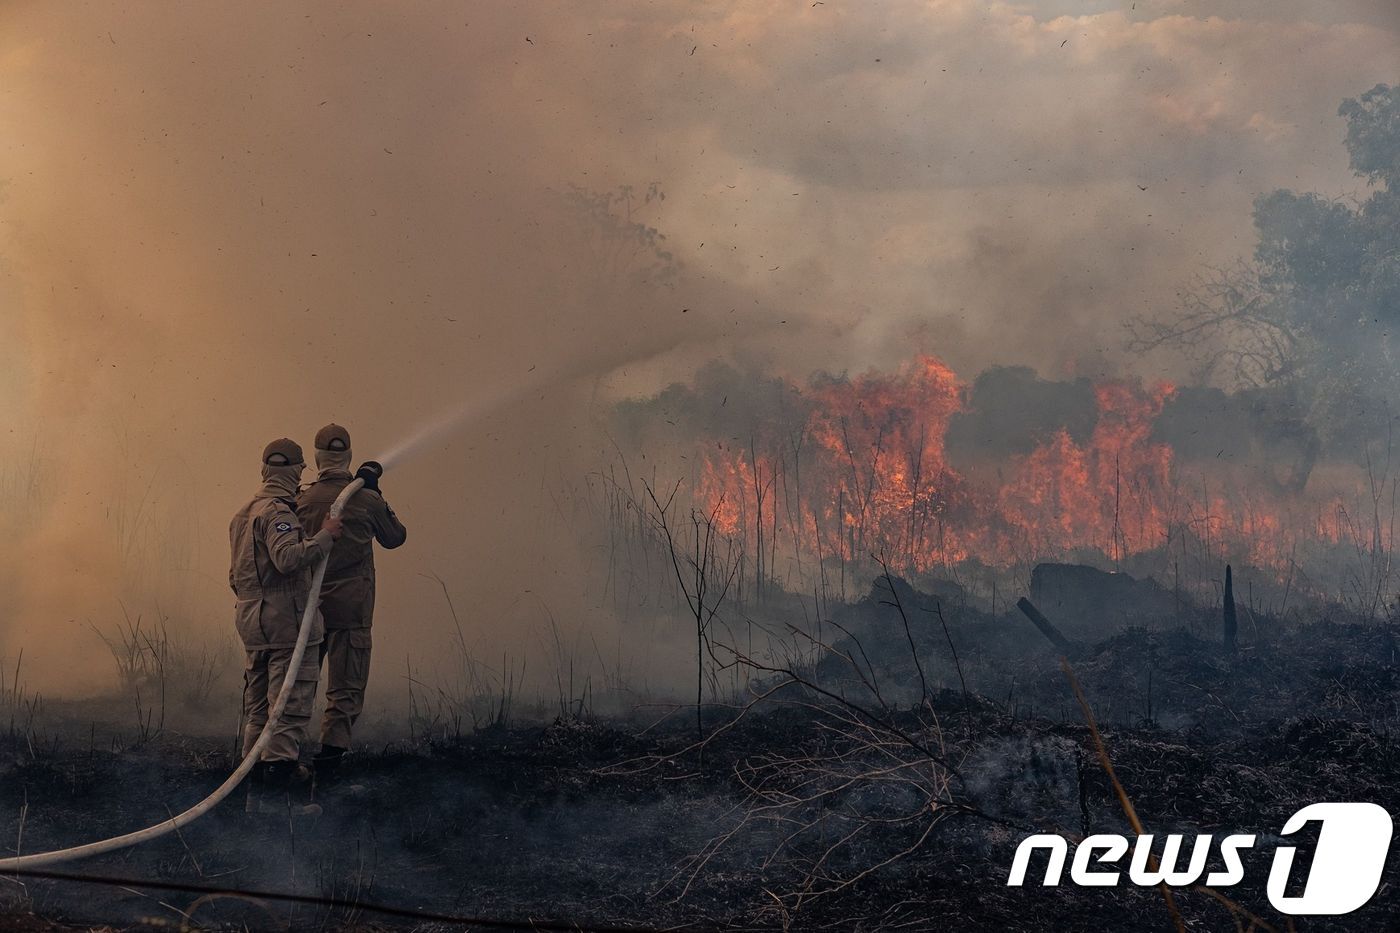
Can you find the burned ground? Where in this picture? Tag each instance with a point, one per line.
(615, 822)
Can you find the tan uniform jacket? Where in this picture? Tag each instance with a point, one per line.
(270, 572)
(347, 598)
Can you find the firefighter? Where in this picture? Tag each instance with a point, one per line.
(270, 572)
(347, 596)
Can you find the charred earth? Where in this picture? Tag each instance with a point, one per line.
(882, 781)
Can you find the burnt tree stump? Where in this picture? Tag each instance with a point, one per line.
(1231, 625)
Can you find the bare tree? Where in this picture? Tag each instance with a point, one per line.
(1230, 325)
(703, 575)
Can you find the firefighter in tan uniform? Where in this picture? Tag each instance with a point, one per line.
(347, 597)
(270, 572)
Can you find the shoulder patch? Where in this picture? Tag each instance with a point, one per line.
(283, 526)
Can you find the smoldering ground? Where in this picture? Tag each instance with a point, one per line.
(777, 818)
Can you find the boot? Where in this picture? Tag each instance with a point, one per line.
(328, 780)
(257, 784)
(285, 790)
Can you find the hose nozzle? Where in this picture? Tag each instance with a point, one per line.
(368, 474)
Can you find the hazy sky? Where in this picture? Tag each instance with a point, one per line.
(220, 223)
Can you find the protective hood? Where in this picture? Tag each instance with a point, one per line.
(328, 460)
(280, 482)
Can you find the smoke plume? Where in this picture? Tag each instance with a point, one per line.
(227, 223)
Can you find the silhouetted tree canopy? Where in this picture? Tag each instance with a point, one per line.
(1373, 133)
(1317, 310)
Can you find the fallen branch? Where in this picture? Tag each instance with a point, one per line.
(1047, 628)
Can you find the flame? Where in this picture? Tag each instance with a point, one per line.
(1110, 494)
(868, 473)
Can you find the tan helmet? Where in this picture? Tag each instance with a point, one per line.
(282, 452)
(333, 437)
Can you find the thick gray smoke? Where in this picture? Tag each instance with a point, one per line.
(225, 223)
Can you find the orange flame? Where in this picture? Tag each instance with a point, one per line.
(868, 473)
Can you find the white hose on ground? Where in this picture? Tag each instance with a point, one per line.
(274, 715)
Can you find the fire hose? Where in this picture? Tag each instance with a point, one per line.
(274, 716)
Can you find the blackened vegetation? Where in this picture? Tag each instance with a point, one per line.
(877, 774)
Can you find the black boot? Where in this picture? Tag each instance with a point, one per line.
(286, 790)
(327, 763)
(257, 785)
(328, 780)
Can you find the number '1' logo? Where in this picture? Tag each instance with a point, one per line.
(1352, 847)
(1346, 868)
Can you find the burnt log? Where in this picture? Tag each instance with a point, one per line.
(1047, 628)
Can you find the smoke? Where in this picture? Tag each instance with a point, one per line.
(230, 226)
(1011, 410)
(223, 224)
